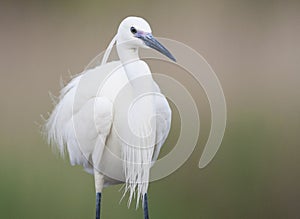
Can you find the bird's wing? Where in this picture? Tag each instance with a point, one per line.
(58, 127)
(81, 120)
(163, 123)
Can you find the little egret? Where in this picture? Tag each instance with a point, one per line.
(112, 119)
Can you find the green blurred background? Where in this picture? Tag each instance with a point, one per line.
(254, 48)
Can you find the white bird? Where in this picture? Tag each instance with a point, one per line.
(113, 119)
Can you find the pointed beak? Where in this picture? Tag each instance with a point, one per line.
(150, 41)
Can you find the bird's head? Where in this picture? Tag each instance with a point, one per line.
(135, 32)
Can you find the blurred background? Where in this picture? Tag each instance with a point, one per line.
(254, 48)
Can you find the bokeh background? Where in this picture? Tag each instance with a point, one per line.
(254, 48)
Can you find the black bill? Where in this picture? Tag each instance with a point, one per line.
(150, 41)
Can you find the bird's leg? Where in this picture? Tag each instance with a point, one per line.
(146, 213)
(98, 204)
(98, 185)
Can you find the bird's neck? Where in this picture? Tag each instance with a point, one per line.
(127, 54)
(133, 66)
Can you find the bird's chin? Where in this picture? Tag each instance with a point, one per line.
(141, 44)
(144, 46)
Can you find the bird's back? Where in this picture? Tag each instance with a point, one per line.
(71, 124)
(91, 122)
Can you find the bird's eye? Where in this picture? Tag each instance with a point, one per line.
(133, 30)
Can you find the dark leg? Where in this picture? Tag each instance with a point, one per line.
(98, 204)
(146, 214)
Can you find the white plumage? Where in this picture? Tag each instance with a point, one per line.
(113, 119)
